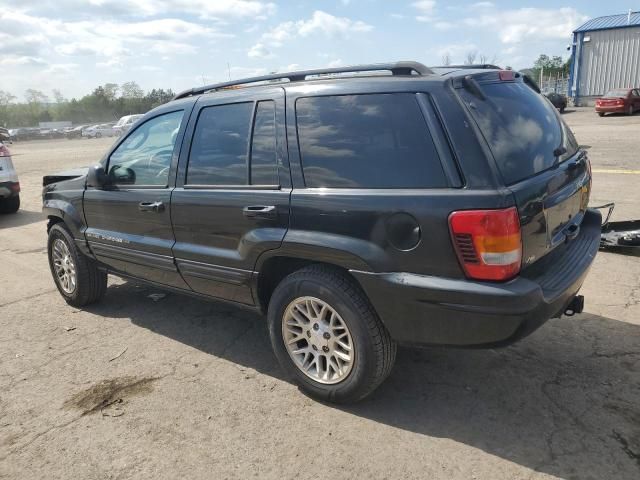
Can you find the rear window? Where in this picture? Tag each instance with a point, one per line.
(522, 128)
(366, 141)
(617, 93)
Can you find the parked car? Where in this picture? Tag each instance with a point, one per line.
(75, 132)
(558, 100)
(23, 134)
(619, 100)
(9, 184)
(97, 131)
(355, 212)
(5, 135)
(124, 124)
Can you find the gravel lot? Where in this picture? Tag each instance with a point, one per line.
(181, 388)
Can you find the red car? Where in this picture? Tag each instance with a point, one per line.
(620, 100)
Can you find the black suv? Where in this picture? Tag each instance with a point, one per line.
(405, 205)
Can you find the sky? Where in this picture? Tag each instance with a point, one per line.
(74, 46)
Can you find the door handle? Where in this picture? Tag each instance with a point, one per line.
(260, 211)
(156, 207)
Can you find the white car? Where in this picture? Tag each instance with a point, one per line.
(9, 184)
(125, 123)
(97, 131)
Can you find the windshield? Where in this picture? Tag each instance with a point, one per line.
(617, 93)
(524, 132)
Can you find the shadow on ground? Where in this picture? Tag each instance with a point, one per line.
(565, 401)
(20, 218)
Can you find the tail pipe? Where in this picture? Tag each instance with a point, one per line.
(575, 306)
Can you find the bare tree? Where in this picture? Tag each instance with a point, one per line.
(131, 90)
(471, 57)
(57, 95)
(446, 59)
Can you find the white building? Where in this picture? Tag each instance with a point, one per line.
(605, 54)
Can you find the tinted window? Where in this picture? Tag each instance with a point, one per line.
(144, 157)
(219, 149)
(366, 141)
(263, 146)
(619, 93)
(522, 129)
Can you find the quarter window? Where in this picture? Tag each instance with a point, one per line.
(367, 141)
(263, 146)
(144, 157)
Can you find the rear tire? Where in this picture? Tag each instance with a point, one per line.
(98, 135)
(10, 205)
(372, 350)
(630, 110)
(601, 114)
(85, 283)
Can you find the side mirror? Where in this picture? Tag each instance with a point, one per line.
(96, 177)
(119, 175)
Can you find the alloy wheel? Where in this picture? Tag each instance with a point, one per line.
(318, 340)
(64, 266)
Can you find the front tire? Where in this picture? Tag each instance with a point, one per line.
(10, 205)
(76, 276)
(601, 114)
(327, 336)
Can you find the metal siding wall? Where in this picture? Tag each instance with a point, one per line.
(610, 60)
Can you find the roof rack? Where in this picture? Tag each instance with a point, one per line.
(397, 68)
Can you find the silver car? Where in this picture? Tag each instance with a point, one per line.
(9, 184)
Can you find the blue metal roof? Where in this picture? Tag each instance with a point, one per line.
(611, 21)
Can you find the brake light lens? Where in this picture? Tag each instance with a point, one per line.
(4, 151)
(488, 243)
(506, 75)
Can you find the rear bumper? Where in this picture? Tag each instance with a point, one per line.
(9, 189)
(425, 310)
(612, 109)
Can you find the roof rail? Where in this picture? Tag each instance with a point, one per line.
(474, 66)
(397, 68)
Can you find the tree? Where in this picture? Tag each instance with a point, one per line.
(131, 90)
(36, 101)
(111, 90)
(446, 59)
(57, 95)
(471, 57)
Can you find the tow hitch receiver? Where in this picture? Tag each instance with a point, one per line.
(576, 306)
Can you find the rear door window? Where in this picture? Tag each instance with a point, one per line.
(220, 144)
(366, 141)
(522, 128)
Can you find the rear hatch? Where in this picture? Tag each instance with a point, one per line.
(536, 155)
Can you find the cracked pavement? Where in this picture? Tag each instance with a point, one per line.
(198, 393)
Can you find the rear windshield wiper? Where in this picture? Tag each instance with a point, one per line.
(470, 84)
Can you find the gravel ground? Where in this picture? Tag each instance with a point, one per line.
(181, 388)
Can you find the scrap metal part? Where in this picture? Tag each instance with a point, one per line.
(618, 234)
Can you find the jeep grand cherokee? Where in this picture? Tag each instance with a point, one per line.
(404, 206)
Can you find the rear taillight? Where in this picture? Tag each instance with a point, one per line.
(488, 242)
(4, 151)
(506, 75)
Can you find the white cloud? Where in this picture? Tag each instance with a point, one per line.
(335, 63)
(259, 51)
(22, 60)
(426, 10)
(212, 9)
(320, 23)
(483, 5)
(515, 26)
